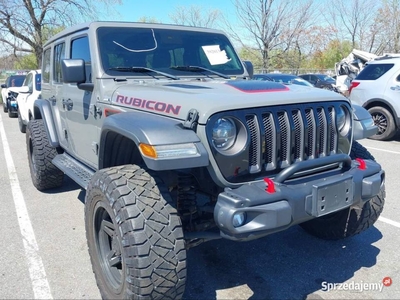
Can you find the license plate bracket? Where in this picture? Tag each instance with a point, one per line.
(330, 197)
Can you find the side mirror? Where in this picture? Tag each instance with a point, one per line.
(3, 86)
(74, 71)
(249, 67)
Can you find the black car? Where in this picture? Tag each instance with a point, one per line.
(282, 78)
(320, 80)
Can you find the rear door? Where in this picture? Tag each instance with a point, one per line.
(51, 87)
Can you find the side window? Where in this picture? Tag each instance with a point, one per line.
(80, 49)
(59, 54)
(46, 66)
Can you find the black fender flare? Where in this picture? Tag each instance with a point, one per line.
(154, 130)
(42, 110)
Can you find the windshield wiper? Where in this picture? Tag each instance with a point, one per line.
(143, 70)
(198, 69)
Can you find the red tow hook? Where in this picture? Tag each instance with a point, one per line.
(270, 185)
(361, 164)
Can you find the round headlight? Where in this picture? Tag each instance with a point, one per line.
(343, 121)
(340, 118)
(224, 133)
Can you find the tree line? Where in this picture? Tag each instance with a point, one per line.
(273, 34)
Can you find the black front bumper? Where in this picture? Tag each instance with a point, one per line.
(296, 200)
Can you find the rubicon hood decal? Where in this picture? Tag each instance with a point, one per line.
(257, 86)
(149, 104)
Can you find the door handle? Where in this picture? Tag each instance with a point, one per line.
(67, 104)
(395, 88)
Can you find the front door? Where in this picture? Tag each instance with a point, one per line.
(82, 122)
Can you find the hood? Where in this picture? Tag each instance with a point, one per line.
(15, 89)
(176, 98)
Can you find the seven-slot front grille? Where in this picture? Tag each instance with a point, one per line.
(281, 136)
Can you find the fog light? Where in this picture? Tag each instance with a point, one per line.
(239, 219)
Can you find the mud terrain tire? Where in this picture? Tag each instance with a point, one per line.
(44, 174)
(134, 235)
(350, 221)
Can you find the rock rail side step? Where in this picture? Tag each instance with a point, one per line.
(77, 171)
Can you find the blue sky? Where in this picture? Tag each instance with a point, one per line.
(132, 10)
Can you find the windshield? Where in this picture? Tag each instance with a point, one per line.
(164, 50)
(16, 80)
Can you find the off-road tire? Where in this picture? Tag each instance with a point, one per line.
(350, 221)
(385, 122)
(44, 174)
(22, 126)
(130, 222)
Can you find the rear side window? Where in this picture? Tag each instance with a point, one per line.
(46, 66)
(374, 71)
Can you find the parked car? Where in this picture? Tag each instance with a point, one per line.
(11, 81)
(11, 101)
(320, 81)
(282, 78)
(28, 93)
(377, 88)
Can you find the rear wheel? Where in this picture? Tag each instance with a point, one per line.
(385, 122)
(44, 174)
(350, 221)
(134, 235)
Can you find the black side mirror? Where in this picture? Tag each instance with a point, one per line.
(249, 67)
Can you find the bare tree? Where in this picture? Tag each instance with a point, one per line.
(353, 21)
(388, 22)
(195, 16)
(26, 24)
(274, 26)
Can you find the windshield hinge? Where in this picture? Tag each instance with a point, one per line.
(191, 119)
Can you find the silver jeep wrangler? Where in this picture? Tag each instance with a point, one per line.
(175, 145)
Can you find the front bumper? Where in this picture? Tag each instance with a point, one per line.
(297, 200)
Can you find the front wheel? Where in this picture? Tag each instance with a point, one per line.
(134, 235)
(384, 120)
(350, 221)
(5, 109)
